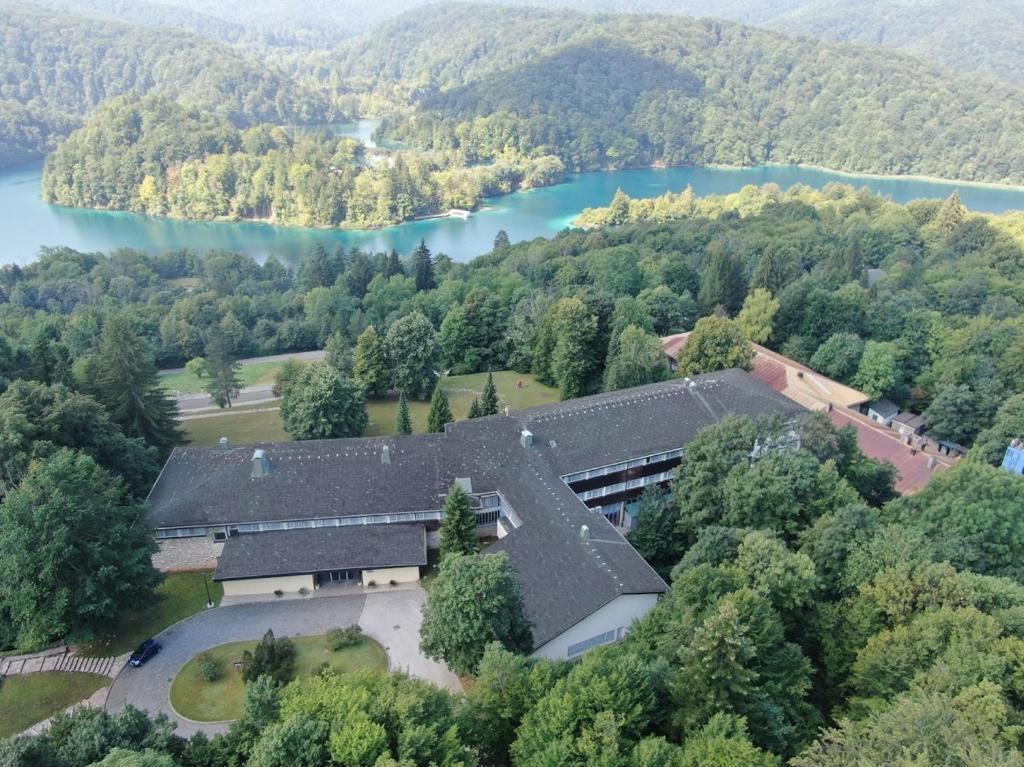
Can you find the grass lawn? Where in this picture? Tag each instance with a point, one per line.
(179, 596)
(251, 374)
(220, 701)
(461, 390)
(243, 426)
(31, 698)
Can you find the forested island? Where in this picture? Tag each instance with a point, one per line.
(151, 155)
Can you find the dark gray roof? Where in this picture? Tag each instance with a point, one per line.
(913, 420)
(884, 407)
(564, 578)
(314, 550)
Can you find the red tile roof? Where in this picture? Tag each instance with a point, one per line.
(814, 391)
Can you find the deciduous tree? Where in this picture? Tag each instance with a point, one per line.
(411, 349)
(474, 600)
(76, 551)
(716, 343)
(320, 404)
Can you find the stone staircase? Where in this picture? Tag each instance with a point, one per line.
(59, 659)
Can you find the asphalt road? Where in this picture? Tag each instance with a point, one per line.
(390, 617)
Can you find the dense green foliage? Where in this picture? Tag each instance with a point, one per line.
(618, 91)
(458, 527)
(474, 600)
(273, 658)
(76, 552)
(321, 404)
(56, 68)
(152, 155)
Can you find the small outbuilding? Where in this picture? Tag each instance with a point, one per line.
(290, 561)
(882, 411)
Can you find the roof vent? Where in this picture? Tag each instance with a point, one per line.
(385, 454)
(585, 532)
(526, 438)
(260, 464)
(225, 443)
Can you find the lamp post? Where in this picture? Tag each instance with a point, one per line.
(206, 583)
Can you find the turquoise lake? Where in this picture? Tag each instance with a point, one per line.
(27, 223)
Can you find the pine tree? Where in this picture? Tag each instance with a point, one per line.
(950, 215)
(223, 383)
(315, 270)
(458, 526)
(440, 411)
(474, 409)
(394, 265)
(130, 389)
(423, 268)
(403, 420)
(489, 400)
(721, 283)
(501, 242)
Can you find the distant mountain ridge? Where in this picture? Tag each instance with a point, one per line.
(682, 91)
(55, 68)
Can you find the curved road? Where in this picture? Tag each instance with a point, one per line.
(391, 617)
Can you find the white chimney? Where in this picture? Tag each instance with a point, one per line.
(225, 443)
(385, 454)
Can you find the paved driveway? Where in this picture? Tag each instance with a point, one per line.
(390, 617)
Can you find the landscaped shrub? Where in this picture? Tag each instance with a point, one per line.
(338, 639)
(273, 657)
(209, 668)
(278, 593)
(371, 584)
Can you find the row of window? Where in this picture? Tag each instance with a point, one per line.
(490, 505)
(632, 464)
(612, 635)
(620, 487)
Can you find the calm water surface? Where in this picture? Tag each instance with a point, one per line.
(27, 223)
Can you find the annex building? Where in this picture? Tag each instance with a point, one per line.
(550, 484)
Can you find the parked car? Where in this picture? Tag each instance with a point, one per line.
(144, 652)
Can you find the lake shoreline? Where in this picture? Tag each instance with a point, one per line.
(483, 207)
(30, 224)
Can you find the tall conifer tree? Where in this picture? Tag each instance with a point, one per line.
(440, 411)
(130, 389)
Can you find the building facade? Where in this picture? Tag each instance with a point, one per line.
(550, 483)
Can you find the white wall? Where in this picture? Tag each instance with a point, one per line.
(385, 575)
(250, 586)
(619, 613)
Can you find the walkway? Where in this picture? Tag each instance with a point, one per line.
(302, 356)
(390, 617)
(61, 659)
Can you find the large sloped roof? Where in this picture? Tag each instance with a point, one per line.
(564, 576)
(315, 550)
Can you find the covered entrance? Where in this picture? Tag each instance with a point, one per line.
(339, 577)
(301, 560)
